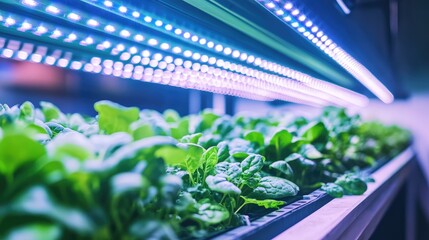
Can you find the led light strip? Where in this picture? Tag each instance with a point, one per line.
(298, 90)
(247, 57)
(288, 87)
(288, 13)
(211, 79)
(334, 91)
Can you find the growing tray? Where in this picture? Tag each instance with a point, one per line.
(273, 223)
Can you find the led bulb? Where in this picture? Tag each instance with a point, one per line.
(73, 16)
(92, 22)
(52, 9)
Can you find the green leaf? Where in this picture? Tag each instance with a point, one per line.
(310, 152)
(128, 182)
(142, 130)
(36, 231)
(181, 129)
(37, 202)
(352, 184)
(219, 183)
(27, 111)
(17, 149)
(171, 116)
(210, 160)
(50, 111)
(152, 229)
(172, 155)
(104, 145)
(314, 131)
(114, 117)
(251, 165)
(283, 167)
(223, 151)
(255, 137)
(211, 213)
(267, 203)
(71, 144)
(230, 170)
(281, 139)
(275, 188)
(207, 119)
(193, 160)
(193, 138)
(129, 152)
(333, 190)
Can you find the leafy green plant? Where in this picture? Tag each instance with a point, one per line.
(140, 174)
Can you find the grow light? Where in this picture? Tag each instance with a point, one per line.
(226, 66)
(293, 17)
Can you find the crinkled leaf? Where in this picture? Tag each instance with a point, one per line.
(219, 183)
(352, 184)
(275, 188)
(223, 151)
(231, 170)
(251, 165)
(211, 213)
(333, 190)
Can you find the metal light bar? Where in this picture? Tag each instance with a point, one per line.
(153, 68)
(295, 17)
(306, 90)
(174, 30)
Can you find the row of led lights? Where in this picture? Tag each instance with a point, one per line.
(148, 74)
(291, 15)
(347, 95)
(153, 63)
(187, 53)
(223, 81)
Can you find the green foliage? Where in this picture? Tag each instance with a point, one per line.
(131, 174)
(114, 117)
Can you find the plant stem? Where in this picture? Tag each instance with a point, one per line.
(238, 209)
(223, 198)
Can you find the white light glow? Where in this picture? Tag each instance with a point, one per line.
(109, 28)
(136, 14)
(30, 3)
(122, 9)
(73, 16)
(52, 9)
(92, 22)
